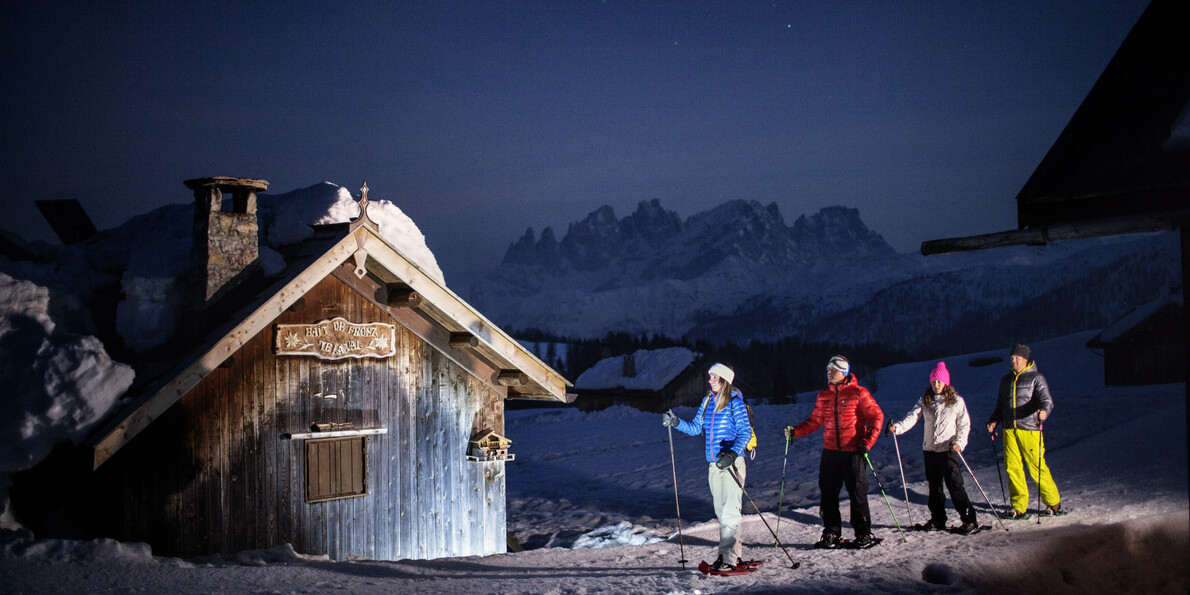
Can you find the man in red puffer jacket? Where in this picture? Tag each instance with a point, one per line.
(853, 421)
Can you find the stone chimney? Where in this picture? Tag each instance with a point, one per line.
(225, 247)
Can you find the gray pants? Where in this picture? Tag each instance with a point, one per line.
(727, 496)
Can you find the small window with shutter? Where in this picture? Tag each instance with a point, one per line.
(335, 469)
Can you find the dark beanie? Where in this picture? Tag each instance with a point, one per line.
(1021, 350)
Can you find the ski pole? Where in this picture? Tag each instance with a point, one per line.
(781, 498)
(996, 457)
(731, 471)
(908, 511)
(890, 510)
(985, 494)
(673, 463)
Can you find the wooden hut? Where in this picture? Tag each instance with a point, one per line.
(1145, 345)
(649, 380)
(331, 410)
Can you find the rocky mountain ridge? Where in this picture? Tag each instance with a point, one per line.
(737, 272)
(679, 249)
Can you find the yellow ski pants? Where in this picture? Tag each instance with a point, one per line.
(1025, 446)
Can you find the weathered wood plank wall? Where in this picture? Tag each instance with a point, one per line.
(214, 475)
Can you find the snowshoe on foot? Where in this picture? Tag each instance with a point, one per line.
(966, 529)
(930, 526)
(829, 541)
(1015, 515)
(1054, 510)
(863, 542)
(721, 568)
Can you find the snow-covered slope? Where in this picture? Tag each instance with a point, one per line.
(1118, 455)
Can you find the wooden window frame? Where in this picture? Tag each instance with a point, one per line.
(336, 468)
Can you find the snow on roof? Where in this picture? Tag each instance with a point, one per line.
(286, 219)
(654, 369)
(1137, 315)
(156, 246)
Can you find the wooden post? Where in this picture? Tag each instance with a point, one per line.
(461, 340)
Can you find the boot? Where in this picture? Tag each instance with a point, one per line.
(830, 540)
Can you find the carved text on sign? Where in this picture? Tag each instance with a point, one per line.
(336, 338)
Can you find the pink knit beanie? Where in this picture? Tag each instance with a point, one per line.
(940, 373)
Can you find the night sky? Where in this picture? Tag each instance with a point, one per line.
(480, 119)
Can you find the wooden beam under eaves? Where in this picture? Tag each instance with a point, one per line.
(453, 314)
(1037, 236)
(402, 296)
(512, 378)
(430, 332)
(514, 395)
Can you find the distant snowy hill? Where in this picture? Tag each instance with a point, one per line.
(596, 499)
(738, 272)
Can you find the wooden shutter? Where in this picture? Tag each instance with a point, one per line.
(335, 469)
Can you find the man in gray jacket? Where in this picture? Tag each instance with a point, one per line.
(1024, 402)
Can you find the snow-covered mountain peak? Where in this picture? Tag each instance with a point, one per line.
(740, 231)
(837, 231)
(650, 225)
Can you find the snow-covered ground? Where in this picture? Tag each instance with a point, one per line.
(1118, 455)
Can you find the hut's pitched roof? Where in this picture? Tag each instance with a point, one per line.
(1128, 323)
(358, 255)
(1122, 164)
(1126, 151)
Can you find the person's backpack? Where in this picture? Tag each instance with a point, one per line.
(751, 447)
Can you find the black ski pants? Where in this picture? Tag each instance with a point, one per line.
(836, 470)
(943, 468)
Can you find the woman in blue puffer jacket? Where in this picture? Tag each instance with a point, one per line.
(723, 419)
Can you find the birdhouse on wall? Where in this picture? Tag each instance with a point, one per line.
(487, 445)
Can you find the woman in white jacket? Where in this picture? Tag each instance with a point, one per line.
(946, 427)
